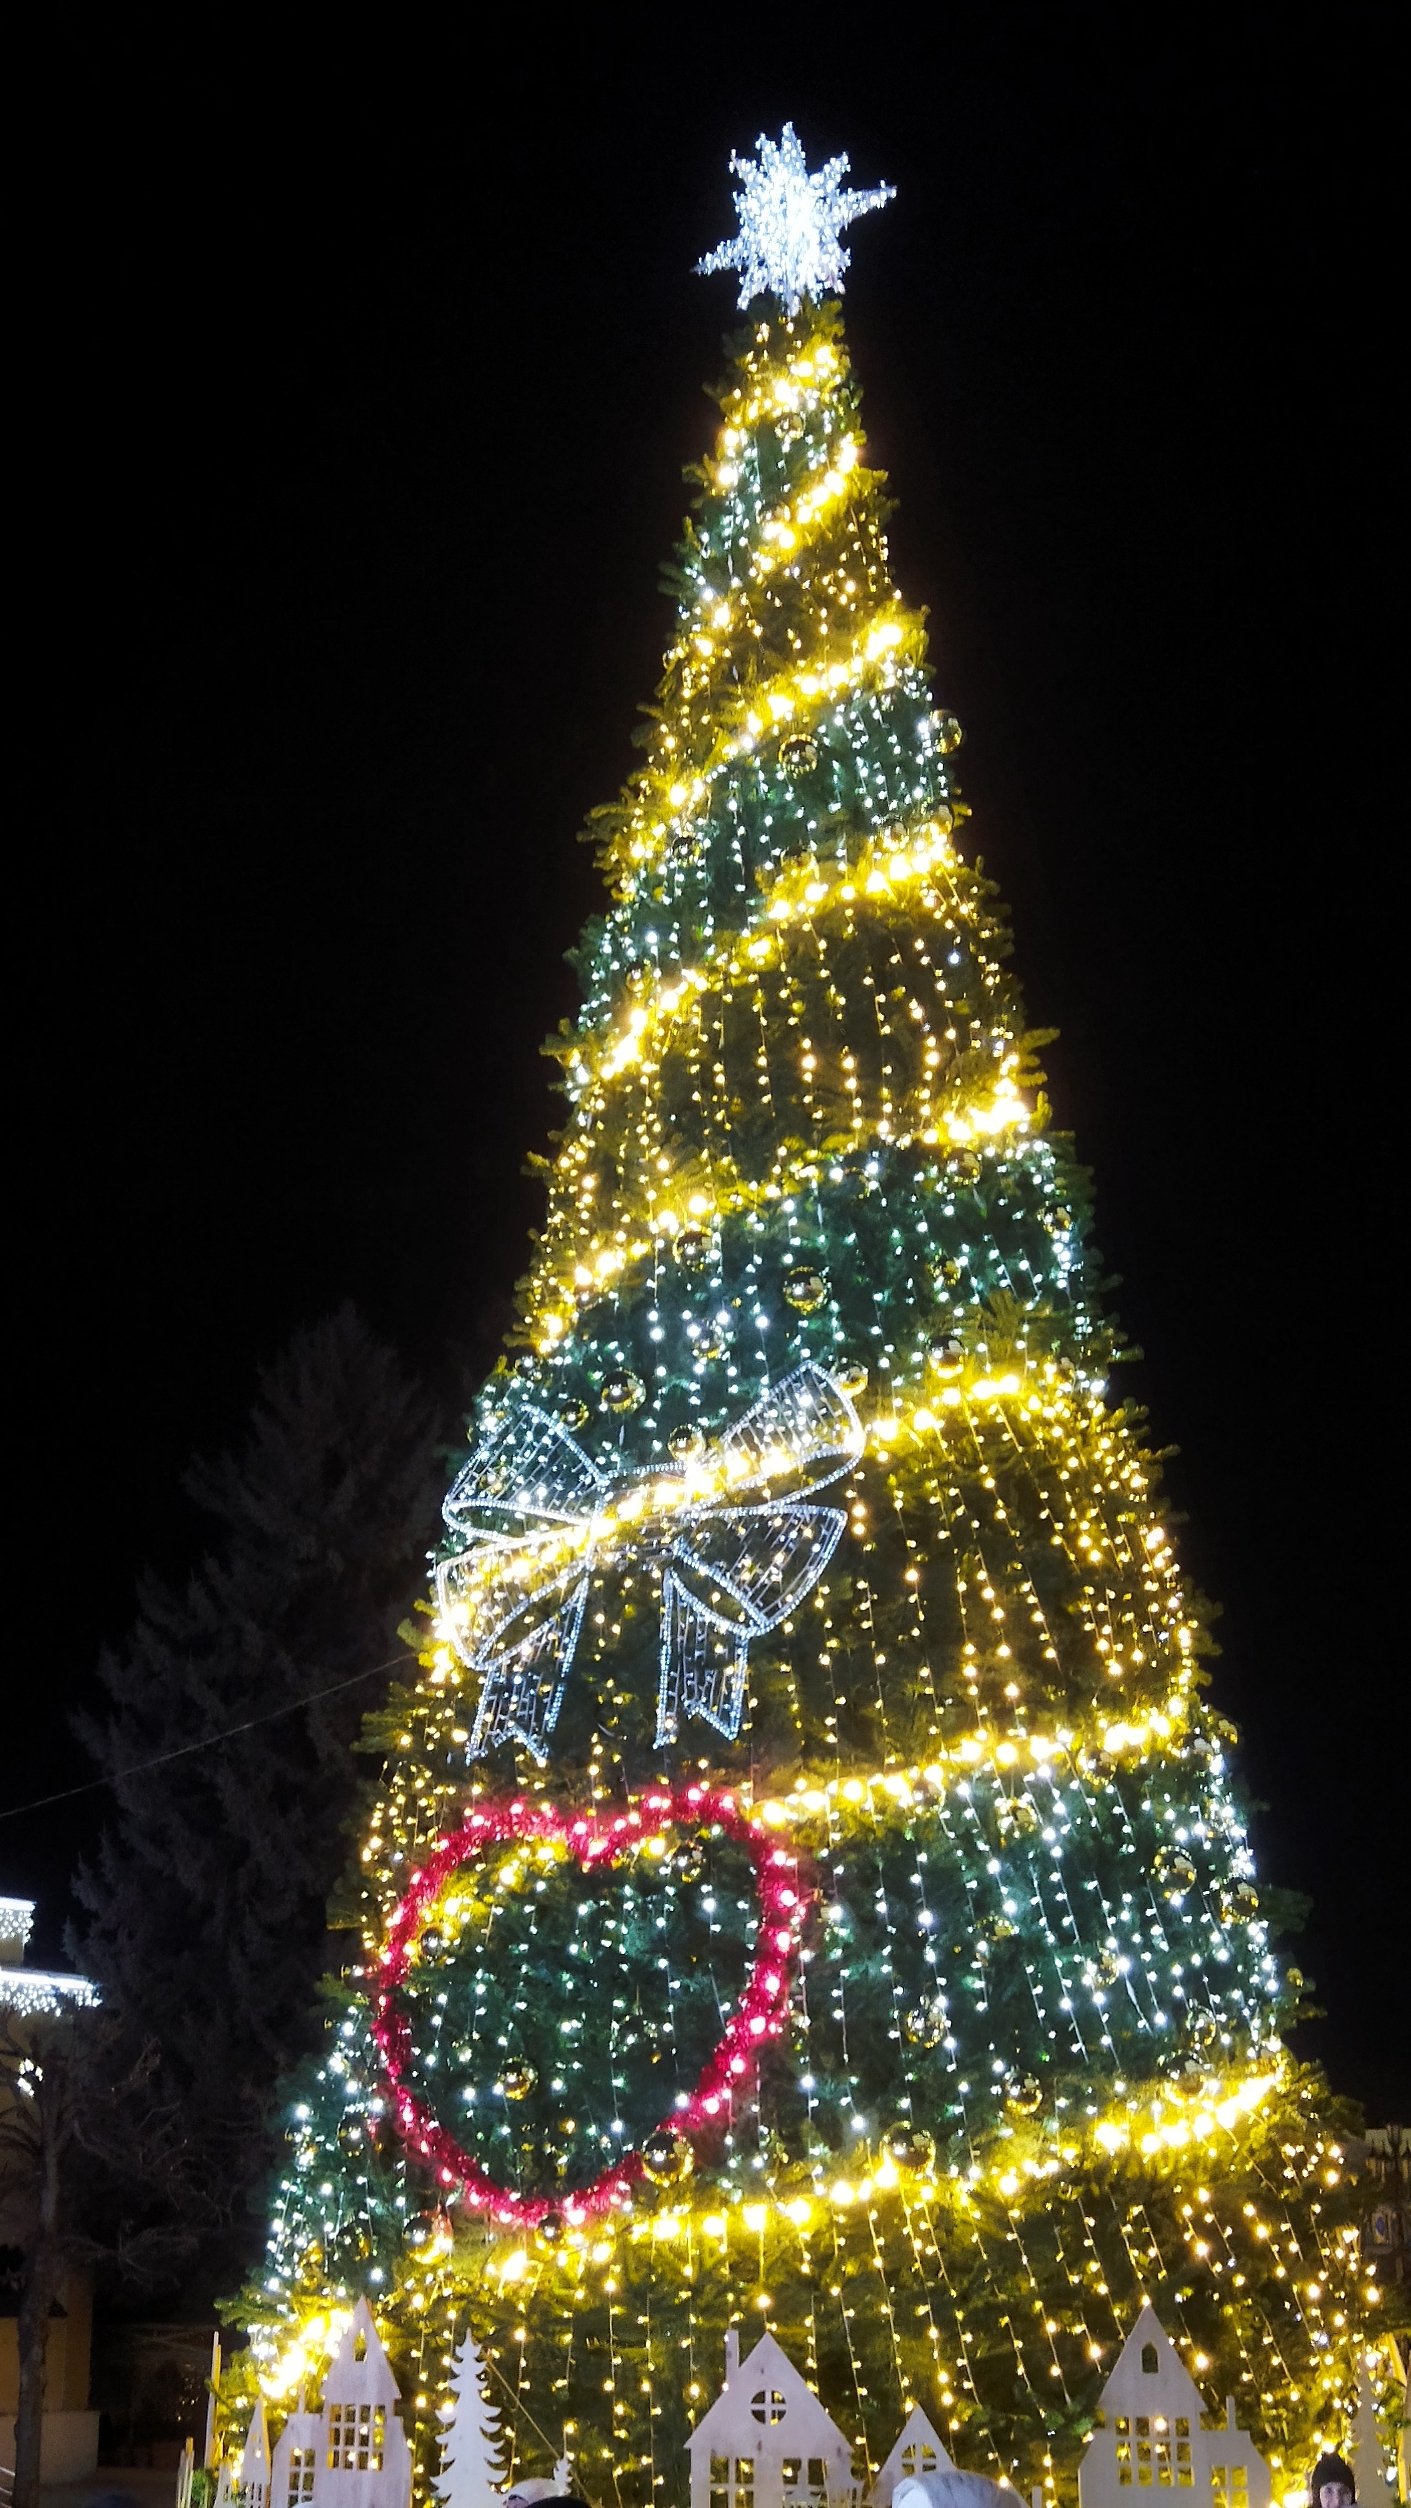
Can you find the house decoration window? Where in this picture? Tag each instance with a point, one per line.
(355, 2434)
(1229, 2486)
(1162, 2452)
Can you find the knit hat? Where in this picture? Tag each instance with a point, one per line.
(1329, 2468)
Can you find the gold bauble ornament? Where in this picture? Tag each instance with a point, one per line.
(798, 756)
(622, 1391)
(429, 2232)
(851, 1379)
(687, 1442)
(1020, 1814)
(927, 2024)
(910, 2146)
(666, 2157)
(517, 2081)
(805, 1288)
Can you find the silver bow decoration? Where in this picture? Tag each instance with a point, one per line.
(536, 1514)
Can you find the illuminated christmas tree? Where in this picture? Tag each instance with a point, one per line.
(807, 1889)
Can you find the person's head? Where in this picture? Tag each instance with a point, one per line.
(531, 2492)
(950, 2490)
(1332, 2484)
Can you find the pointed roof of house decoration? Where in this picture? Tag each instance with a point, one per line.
(1150, 2375)
(767, 2371)
(918, 2450)
(360, 2371)
(302, 2429)
(254, 2455)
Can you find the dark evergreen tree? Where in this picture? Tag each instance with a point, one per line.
(207, 1903)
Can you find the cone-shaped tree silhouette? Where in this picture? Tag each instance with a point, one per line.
(207, 1899)
(808, 1879)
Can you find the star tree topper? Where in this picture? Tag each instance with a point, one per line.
(791, 223)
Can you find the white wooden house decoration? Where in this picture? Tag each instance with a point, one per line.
(470, 2449)
(364, 2460)
(252, 2471)
(1149, 2434)
(766, 2441)
(296, 2455)
(918, 2451)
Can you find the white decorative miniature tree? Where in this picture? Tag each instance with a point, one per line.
(1366, 2453)
(470, 2459)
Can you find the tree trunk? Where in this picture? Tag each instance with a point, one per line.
(43, 2275)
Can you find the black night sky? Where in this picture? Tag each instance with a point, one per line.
(354, 366)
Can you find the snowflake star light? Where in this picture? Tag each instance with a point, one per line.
(791, 223)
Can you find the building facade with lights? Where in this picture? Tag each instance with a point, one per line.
(69, 2446)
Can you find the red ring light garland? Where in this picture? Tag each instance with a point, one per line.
(594, 1839)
